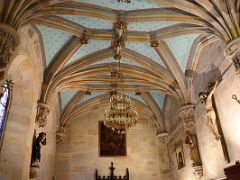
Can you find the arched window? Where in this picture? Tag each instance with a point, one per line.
(4, 105)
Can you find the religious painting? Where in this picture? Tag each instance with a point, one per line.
(179, 155)
(111, 143)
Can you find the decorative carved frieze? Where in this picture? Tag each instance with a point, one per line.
(8, 43)
(232, 53)
(60, 137)
(186, 113)
(42, 113)
(163, 137)
(155, 43)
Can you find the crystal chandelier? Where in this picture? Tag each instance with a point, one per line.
(121, 115)
(124, 1)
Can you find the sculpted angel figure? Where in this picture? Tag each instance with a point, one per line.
(206, 99)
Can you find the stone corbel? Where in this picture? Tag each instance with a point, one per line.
(8, 43)
(34, 171)
(232, 53)
(198, 171)
(187, 114)
(163, 137)
(42, 114)
(60, 137)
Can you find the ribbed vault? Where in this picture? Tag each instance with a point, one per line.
(208, 20)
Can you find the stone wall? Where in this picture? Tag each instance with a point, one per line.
(211, 65)
(24, 70)
(79, 156)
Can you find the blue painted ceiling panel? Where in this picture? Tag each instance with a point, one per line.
(114, 4)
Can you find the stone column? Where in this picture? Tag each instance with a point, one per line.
(8, 43)
(162, 140)
(232, 53)
(187, 114)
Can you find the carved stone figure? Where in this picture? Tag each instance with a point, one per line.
(191, 141)
(36, 148)
(42, 113)
(206, 98)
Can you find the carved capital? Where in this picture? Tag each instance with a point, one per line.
(8, 43)
(163, 137)
(186, 113)
(155, 43)
(60, 137)
(232, 53)
(42, 113)
(198, 171)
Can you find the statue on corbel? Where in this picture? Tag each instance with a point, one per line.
(191, 141)
(187, 114)
(37, 143)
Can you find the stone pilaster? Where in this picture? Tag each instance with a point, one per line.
(42, 113)
(232, 53)
(162, 141)
(187, 114)
(8, 43)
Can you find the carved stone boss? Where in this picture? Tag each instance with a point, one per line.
(8, 43)
(187, 114)
(42, 113)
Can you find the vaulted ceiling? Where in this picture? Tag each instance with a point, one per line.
(162, 38)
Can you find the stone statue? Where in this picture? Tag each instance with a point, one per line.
(191, 141)
(206, 98)
(36, 148)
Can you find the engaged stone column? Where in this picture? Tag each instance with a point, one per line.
(162, 140)
(186, 113)
(42, 114)
(232, 53)
(8, 43)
